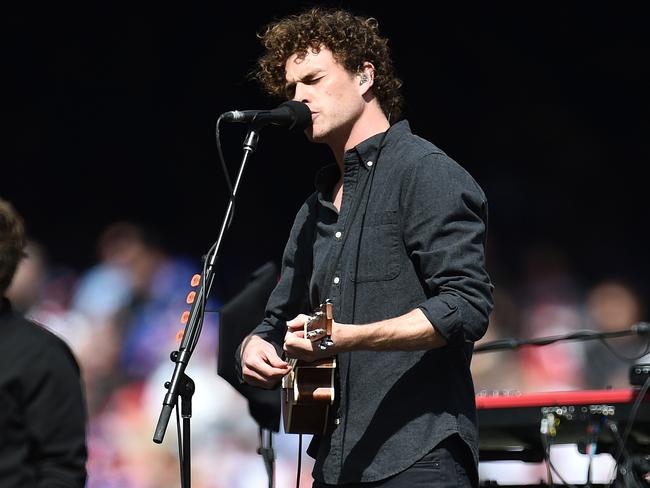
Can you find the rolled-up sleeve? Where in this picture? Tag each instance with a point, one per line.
(445, 226)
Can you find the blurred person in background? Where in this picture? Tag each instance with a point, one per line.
(28, 286)
(499, 371)
(42, 411)
(42, 291)
(611, 306)
(551, 304)
(137, 321)
(148, 294)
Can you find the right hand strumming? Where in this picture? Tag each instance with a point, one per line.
(261, 365)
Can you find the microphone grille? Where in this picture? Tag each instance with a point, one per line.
(302, 114)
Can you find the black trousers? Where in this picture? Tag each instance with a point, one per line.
(449, 465)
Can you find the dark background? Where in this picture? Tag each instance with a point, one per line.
(111, 114)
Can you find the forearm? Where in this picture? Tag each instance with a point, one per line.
(409, 332)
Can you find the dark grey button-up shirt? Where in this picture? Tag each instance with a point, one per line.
(416, 240)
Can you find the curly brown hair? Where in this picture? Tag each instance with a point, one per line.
(352, 39)
(12, 243)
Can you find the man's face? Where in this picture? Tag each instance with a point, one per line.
(332, 93)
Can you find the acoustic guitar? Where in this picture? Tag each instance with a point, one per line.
(308, 390)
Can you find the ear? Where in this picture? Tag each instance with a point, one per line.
(366, 77)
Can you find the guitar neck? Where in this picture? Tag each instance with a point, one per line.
(321, 319)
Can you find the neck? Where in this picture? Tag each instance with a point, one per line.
(371, 121)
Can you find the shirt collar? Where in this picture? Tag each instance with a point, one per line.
(326, 178)
(364, 152)
(367, 151)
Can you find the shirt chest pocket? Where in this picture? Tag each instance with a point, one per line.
(378, 249)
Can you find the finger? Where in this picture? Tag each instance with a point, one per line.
(299, 348)
(265, 354)
(296, 340)
(254, 379)
(316, 334)
(262, 371)
(303, 355)
(298, 321)
(295, 333)
(273, 366)
(276, 361)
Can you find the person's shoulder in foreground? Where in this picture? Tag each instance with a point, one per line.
(43, 415)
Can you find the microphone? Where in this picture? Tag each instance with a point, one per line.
(290, 114)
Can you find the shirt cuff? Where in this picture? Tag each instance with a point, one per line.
(445, 315)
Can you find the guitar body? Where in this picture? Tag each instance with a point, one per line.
(308, 390)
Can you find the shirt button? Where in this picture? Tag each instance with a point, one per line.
(338, 234)
(369, 164)
(336, 280)
(337, 421)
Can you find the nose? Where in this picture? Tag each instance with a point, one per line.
(300, 94)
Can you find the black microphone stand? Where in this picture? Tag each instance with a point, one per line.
(181, 384)
(642, 328)
(268, 454)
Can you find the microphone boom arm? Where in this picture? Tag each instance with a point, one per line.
(642, 328)
(181, 384)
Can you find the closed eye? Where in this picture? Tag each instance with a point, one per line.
(312, 81)
(290, 89)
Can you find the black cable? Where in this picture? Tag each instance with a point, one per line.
(180, 444)
(632, 417)
(212, 249)
(224, 167)
(201, 311)
(299, 460)
(613, 428)
(594, 431)
(208, 255)
(272, 477)
(620, 356)
(204, 296)
(547, 459)
(268, 455)
(547, 455)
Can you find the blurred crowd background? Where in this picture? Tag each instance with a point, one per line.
(122, 319)
(122, 316)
